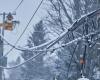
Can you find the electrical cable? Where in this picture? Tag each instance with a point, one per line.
(21, 49)
(25, 27)
(30, 20)
(35, 57)
(45, 50)
(18, 6)
(79, 20)
(62, 45)
(51, 41)
(75, 40)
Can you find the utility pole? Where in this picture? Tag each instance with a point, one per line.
(7, 24)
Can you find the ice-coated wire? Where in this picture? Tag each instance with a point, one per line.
(51, 49)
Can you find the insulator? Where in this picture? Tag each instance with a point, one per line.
(9, 16)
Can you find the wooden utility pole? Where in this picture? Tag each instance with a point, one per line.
(7, 24)
(1, 46)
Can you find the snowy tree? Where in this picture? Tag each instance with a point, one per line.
(35, 70)
(67, 11)
(15, 74)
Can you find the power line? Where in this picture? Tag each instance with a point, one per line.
(79, 20)
(30, 21)
(26, 25)
(53, 43)
(48, 49)
(18, 5)
(33, 49)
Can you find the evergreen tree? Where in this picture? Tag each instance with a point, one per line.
(15, 74)
(35, 70)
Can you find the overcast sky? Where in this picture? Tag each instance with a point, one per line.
(23, 14)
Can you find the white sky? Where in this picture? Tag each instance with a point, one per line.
(24, 13)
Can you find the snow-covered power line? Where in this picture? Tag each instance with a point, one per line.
(75, 40)
(71, 29)
(94, 13)
(83, 18)
(34, 49)
(48, 43)
(50, 49)
(52, 42)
